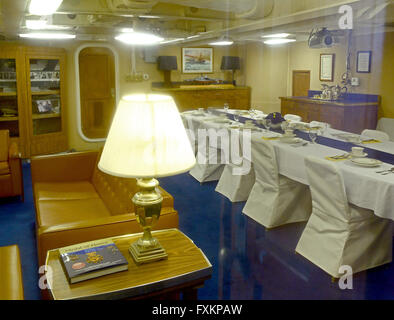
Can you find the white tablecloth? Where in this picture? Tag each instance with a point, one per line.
(364, 187)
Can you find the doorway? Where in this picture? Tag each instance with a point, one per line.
(301, 83)
(97, 91)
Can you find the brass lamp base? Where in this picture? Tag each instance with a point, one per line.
(145, 255)
(147, 204)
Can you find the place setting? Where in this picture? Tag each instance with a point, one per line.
(290, 137)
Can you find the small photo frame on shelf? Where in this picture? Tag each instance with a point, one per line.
(364, 61)
(197, 60)
(44, 106)
(327, 67)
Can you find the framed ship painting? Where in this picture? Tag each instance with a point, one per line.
(197, 60)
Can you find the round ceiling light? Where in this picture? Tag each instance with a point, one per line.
(138, 38)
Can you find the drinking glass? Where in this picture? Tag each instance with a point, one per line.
(225, 107)
(236, 117)
(268, 123)
(313, 136)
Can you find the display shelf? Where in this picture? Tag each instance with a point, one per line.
(8, 94)
(45, 116)
(45, 92)
(9, 118)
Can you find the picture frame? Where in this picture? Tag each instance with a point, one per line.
(327, 67)
(197, 60)
(364, 59)
(44, 106)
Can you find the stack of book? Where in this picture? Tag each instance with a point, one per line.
(91, 260)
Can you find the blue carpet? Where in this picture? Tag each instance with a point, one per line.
(248, 261)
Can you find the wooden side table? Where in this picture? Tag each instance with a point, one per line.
(184, 271)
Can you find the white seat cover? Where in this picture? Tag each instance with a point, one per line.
(338, 233)
(292, 117)
(386, 125)
(376, 134)
(275, 200)
(233, 185)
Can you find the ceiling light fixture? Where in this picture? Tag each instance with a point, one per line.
(222, 41)
(36, 24)
(278, 41)
(172, 40)
(44, 7)
(191, 37)
(277, 35)
(47, 35)
(138, 38)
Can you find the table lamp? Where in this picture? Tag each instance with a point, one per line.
(147, 140)
(230, 63)
(167, 63)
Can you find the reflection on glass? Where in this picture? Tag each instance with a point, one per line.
(45, 91)
(9, 117)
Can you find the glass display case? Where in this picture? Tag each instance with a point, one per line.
(9, 114)
(45, 96)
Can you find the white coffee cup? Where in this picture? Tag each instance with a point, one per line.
(358, 151)
(289, 132)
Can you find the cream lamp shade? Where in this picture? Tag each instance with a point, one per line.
(146, 139)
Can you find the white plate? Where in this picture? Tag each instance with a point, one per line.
(366, 162)
(286, 139)
(219, 120)
(358, 156)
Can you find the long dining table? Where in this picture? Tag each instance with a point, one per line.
(365, 187)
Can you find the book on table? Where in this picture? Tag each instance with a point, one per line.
(91, 259)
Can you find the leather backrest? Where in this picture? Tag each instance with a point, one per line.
(4, 145)
(114, 191)
(327, 188)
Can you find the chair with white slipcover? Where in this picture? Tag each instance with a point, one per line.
(210, 157)
(386, 125)
(376, 134)
(339, 233)
(237, 180)
(292, 117)
(275, 200)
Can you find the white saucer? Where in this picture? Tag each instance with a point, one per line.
(221, 120)
(358, 156)
(366, 162)
(287, 139)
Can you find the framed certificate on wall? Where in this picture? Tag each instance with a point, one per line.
(364, 61)
(327, 65)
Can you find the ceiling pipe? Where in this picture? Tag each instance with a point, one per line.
(261, 25)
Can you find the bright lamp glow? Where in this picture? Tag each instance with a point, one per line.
(278, 41)
(138, 38)
(147, 139)
(49, 35)
(44, 7)
(277, 35)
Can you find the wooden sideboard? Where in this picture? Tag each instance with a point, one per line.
(204, 96)
(349, 116)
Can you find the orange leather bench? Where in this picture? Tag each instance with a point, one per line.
(76, 202)
(11, 285)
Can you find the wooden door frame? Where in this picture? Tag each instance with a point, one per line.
(78, 89)
(299, 71)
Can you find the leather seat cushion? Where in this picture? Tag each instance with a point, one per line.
(56, 212)
(64, 190)
(11, 287)
(4, 168)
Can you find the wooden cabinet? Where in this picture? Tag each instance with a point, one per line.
(36, 95)
(348, 116)
(206, 96)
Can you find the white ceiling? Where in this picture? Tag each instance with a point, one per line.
(244, 20)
